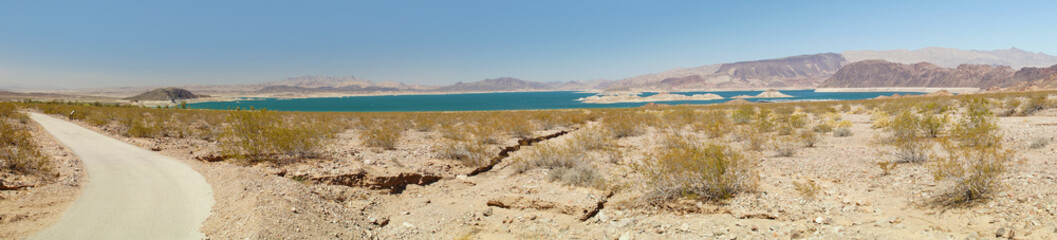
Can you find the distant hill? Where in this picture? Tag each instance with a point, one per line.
(496, 84)
(165, 94)
(880, 73)
(804, 71)
(951, 58)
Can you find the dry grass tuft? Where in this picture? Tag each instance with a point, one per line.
(808, 189)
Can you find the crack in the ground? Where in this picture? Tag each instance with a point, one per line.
(507, 150)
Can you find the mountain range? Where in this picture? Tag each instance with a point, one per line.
(927, 67)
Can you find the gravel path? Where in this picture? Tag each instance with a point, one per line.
(131, 193)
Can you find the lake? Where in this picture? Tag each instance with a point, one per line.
(494, 101)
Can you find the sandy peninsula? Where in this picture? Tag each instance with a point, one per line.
(633, 97)
(770, 93)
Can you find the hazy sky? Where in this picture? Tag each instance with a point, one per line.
(78, 44)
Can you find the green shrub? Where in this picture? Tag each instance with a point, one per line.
(1035, 104)
(807, 138)
(743, 114)
(714, 123)
(594, 138)
(698, 171)
(808, 189)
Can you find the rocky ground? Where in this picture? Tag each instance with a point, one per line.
(357, 192)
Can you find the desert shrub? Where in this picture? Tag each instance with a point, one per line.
(807, 189)
(624, 124)
(785, 146)
(456, 132)
(886, 167)
(880, 119)
(425, 124)
(976, 127)
(931, 124)
(904, 134)
(787, 124)
(263, 135)
(698, 171)
(519, 128)
(581, 175)
(763, 122)
(18, 151)
(714, 123)
(822, 128)
(750, 137)
(549, 155)
(1039, 142)
(594, 138)
(1035, 104)
(382, 135)
(486, 132)
(807, 138)
(743, 114)
(469, 154)
(1010, 107)
(933, 107)
(842, 132)
(969, 173)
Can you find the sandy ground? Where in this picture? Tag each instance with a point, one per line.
(26, 211)
(339, 196)
(133, 193)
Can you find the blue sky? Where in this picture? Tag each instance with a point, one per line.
(80, 44)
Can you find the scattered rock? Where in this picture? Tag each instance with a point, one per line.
(487, 212)
(823, 220)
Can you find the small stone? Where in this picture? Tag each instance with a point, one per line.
(293, 210)
(894, 220)
(823, 220)
(1000, 232)
(461, 177)
(487, 212)
(406, 213)
(408, 225)
(625, 236)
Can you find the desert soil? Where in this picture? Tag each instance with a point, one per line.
(356, 192)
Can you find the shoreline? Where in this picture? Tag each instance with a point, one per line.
(899, 89)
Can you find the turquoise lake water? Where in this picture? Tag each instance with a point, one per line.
(493, 101)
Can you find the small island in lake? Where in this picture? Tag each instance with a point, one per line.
(633, 97)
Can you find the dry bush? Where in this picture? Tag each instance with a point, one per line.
(486, 132)
(842, 132)
(743, 114)
(624, 124)
(886, 167)
(698, 171)
(263, 135)
(581, 175)
(808, 189)
(549, 155)
(455, 132)
(469, 154)
(822, 128)
(976, 127)
(1010, 107)
(383, 135)
(751, 137)
(904, 134)
(1039, 142)
(594, 138)
(1035, 104)
(880, 119)
(969, 173)
(807, 138)
(932, 125)
(785, 146)
(714, 123)
(18, 151)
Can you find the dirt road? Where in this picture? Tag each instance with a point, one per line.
(131, 193)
